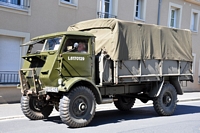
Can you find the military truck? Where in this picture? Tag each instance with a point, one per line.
(123, 61)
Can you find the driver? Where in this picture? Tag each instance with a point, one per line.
(81, 47)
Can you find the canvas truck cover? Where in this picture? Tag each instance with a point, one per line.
(124, 40)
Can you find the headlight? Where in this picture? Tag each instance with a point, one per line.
(60, 81)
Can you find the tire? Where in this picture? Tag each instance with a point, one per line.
(32, 111)
(165, 103)
(124, 103)
(77, 108)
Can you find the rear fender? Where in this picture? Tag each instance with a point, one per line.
(156, 89)
(175, 82)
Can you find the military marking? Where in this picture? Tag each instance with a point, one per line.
(76, 58)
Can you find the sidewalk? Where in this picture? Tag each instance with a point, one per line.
(11, 111)
(9, 94)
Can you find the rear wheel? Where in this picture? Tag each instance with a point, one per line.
(124, 103)
(34, 109)
(165, 103)
(77, 108)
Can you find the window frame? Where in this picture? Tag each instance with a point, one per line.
(10, 4)
(68, 2)
(71, 3)
(178, 15)
(69, 41)
(193, 63)
(192, 23)
(140, 10)
(138, 6)
(173, 18)
(102, 8)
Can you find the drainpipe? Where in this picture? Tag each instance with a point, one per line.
(158, 18)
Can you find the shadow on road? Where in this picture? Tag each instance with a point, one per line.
(115, 116)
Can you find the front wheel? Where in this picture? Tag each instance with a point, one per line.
(77, 108)
(35, 109)
(165, 103)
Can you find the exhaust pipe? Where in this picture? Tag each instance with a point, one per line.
(108, 100)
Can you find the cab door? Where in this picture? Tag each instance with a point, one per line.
(74, 63)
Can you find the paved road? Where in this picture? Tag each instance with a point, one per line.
(140, 119)
(8, 111)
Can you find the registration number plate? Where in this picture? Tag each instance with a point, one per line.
(51, 89)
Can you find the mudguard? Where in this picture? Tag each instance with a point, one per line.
(69, 83)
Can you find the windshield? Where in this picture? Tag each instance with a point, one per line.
(44, 45)
(52, 44)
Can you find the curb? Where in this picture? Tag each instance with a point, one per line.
(187, 100)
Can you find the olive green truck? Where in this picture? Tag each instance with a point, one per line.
(123, 61)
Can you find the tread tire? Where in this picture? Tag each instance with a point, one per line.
(124, 103)
(165, 103)
(29, 110)
(77, 108)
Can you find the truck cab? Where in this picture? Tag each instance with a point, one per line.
(53, 58)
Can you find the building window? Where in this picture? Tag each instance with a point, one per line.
(175, 12)
(14, 2)
(73, 3)
(20, 4)
(106, 9)
(173, 18)
(194, 23)
(67, 1)
(140, 9)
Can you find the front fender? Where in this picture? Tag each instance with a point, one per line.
(68, 85)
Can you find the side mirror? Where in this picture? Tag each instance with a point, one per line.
(75, 45)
